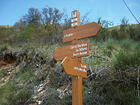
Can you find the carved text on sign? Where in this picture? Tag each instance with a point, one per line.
(80, 49)
(82, 68)
(80, 32)
(74, 67)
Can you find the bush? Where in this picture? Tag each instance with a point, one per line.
(5, 91)
(24, 75)
(115, 34)
(26, 34)
(111, 44)
(127, 44)
(58, 78)
(4, 47)
(111, 87)
(67, 99)
(136, 33)
(52, 98)
(125, 59)
(103, 35)
(20, 98)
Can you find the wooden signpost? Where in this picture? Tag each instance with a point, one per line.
(70, 55)
(80, 49)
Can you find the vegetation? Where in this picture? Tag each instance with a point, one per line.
(112, 65)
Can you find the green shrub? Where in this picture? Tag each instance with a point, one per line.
(27, 32)
(58, 78)
(52, 98)
(25, 74)
(123, 93)
(20, 98)
(137, 35)
(4, 47)
(5, 91)
(67, 99)
(125, 59)
(127, 44)
(134, 31)
(136, 101)
(115, 34)
(111, 44)
(112, 88)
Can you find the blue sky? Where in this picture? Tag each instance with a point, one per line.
(112, 10)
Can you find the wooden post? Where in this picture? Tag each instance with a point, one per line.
(77, 90)
(74, 102)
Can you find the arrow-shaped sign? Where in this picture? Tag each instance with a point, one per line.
(80, 49)
(74, 67)
(80, 32)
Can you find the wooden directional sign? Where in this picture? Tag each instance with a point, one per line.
(75, 20)
(80, 32)
(80, 49)
(73, 67)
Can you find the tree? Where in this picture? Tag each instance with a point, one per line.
(104, 23)
(84, 19)
(67, 22)
(51, 16)
(20, 25)
(124, 23)
(33, 16)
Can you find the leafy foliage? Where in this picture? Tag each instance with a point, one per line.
(127, 59)
(20, 98)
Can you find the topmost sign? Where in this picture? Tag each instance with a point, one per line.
(80, 32)
(75, 20)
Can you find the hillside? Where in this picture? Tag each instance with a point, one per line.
(6, 26)
(131, 25)
(30, 76)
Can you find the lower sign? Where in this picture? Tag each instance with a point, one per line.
(80, 49)
(74, 67)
